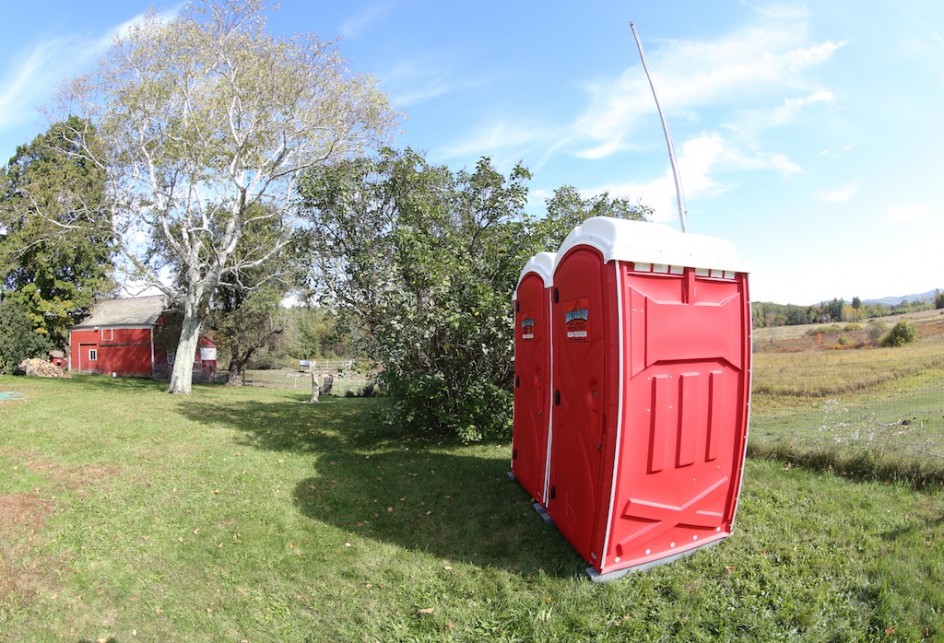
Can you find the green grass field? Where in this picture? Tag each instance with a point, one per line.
(247, 515)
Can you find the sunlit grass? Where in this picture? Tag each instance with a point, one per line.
(247, 514)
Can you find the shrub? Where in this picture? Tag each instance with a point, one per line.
(876, 329)
(901, 333)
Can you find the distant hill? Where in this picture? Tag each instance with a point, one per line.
(893, 301)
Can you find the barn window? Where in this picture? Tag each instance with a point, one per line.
(93, 355)
(108, 334)
(170, 357)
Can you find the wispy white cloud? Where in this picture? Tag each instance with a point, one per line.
(33, 75)
(908, 213)
(790, 107)
(702, 160)
(747, 66)
(839, 194)
(364, 20)
(828, 152)
(418, 80)
(497, 136)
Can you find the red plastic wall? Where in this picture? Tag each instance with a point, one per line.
(532, 385)
(651, 377)
(584, 367)
(686, 361)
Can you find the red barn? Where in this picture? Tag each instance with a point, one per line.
(117, 338)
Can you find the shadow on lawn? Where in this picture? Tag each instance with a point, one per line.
(378, 485)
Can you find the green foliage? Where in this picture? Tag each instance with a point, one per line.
(55, 239)
(421, 262)
(18, 338)
(566, 209)
(902, 333)
(246, 316)
(938, 300)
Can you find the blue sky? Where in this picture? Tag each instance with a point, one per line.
(808, 134)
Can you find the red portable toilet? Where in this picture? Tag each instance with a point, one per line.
(532, 401)
(651, 336)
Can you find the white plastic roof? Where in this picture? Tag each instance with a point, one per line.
(542, 264)
(643, 242)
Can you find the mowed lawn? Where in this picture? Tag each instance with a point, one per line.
(248, 515)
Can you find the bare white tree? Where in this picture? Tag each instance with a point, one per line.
(202, 118)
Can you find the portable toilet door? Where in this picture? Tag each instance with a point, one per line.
(585, 377)
(532, 406)
(650, 422)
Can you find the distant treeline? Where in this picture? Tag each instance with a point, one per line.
(767, 314)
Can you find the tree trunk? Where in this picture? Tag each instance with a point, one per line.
(237, 365)
(181, 378)
(315, 387)
(234, 375)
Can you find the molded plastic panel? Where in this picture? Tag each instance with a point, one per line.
(532, 399)
(580, 385)
(687, 348)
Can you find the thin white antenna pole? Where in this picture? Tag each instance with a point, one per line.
(665, 129)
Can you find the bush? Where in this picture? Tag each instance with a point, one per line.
(876, 329)
(422, 262)
(18, 339)
(901, 333)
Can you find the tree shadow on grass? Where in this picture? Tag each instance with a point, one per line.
(122, 384)
(379, 485)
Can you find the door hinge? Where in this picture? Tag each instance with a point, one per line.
(553, 492)
(556, 398)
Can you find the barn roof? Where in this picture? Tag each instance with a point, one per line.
(130, 311)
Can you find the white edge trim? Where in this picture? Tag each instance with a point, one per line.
(747, 412)
(619, 415)
(550, 393)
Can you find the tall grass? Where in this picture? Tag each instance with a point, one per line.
(875, 413)
(823, 374)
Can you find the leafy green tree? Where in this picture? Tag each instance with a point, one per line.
(245, 321)
(938, 299)
(18, 338)
(199, 120)
(422, 262)
(245, 311)
(833, 309)
(313, 334)
(56, 247)
(566, 209)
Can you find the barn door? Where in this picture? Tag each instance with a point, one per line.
(579, 362)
